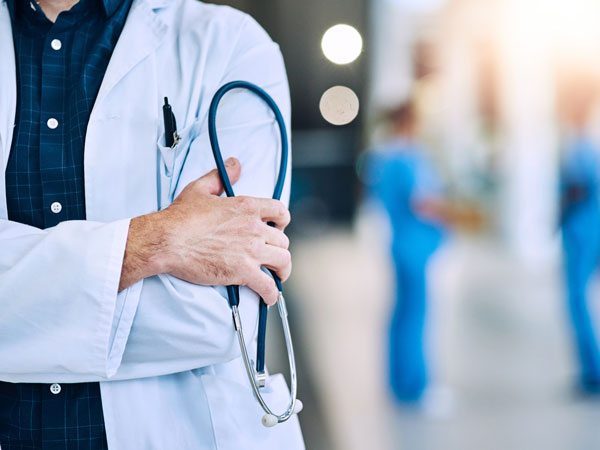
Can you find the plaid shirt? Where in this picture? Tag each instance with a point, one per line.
(59, 70)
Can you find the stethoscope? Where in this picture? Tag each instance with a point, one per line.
(257, 377)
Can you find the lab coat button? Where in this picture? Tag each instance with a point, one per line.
(55, 388)
(52, 123)
(56, 44)
(56, 207)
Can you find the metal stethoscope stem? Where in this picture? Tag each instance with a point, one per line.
(257, 376)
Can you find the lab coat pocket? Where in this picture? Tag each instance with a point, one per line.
(236, 415)
(171, 162)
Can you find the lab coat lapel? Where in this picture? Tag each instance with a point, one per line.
(103, 163)
(8, 86)
(142, 34)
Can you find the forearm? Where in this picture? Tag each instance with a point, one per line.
(451, 213)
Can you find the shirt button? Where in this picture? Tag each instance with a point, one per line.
(55, 388)
(52, 123)
(56, 207)
(56, 44)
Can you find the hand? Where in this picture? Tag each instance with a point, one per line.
(209, 240)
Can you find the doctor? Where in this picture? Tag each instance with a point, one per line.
(111, 334)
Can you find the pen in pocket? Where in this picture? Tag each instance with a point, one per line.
(171, 136)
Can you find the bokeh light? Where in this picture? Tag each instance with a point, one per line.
(339, 105)
(342, 44)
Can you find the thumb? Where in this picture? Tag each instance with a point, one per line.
(211, 182)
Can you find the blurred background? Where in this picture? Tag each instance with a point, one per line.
(446, 221)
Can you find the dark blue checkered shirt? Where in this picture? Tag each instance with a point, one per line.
(59, 70)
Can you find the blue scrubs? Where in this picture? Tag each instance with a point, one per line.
(400, 176)
(580, 176)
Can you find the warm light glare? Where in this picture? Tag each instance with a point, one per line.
(342, 44)
(571, 26)
(339, 105)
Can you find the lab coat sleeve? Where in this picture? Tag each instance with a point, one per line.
(58, 294)
(61, 319)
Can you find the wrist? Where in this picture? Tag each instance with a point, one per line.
(147, 248)
(159, 238)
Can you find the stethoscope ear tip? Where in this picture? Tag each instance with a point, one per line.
(299, 406)
(269, 420)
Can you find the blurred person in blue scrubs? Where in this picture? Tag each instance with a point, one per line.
(400, 175)
(580, 220)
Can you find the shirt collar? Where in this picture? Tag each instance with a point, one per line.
(11, 8)
(110, 6)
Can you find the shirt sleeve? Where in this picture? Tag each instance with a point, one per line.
(61, 319)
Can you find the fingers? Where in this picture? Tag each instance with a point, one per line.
(264, 286)
(277, 259)
(275, 237)
(272, 255)
(234, 169)
(211, 183)
(269, 210)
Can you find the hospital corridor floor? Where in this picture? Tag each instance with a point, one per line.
(498, 343)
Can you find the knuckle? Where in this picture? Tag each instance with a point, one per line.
(249, 273)
(271, 296)
(285, 241)
(247, 266)
(247, 204)
(255, 227)
(286, 273)
(246, 224)
(261, 287)
(282, 211)
(265, 284)
(287, 258)
(254, 247)
(196, 184)
(284, 216)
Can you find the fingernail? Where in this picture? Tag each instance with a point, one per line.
(230, 162)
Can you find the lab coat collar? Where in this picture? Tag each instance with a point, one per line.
(143, 32)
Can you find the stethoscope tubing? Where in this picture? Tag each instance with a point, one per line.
(233, 291)
(216, 149)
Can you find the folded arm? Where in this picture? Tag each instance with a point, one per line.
(89, 301)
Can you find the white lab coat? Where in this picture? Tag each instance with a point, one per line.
(164, 350)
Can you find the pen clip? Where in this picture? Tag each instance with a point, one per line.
(176, 139)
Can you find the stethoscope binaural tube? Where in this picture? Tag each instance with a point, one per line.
(257, 377)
